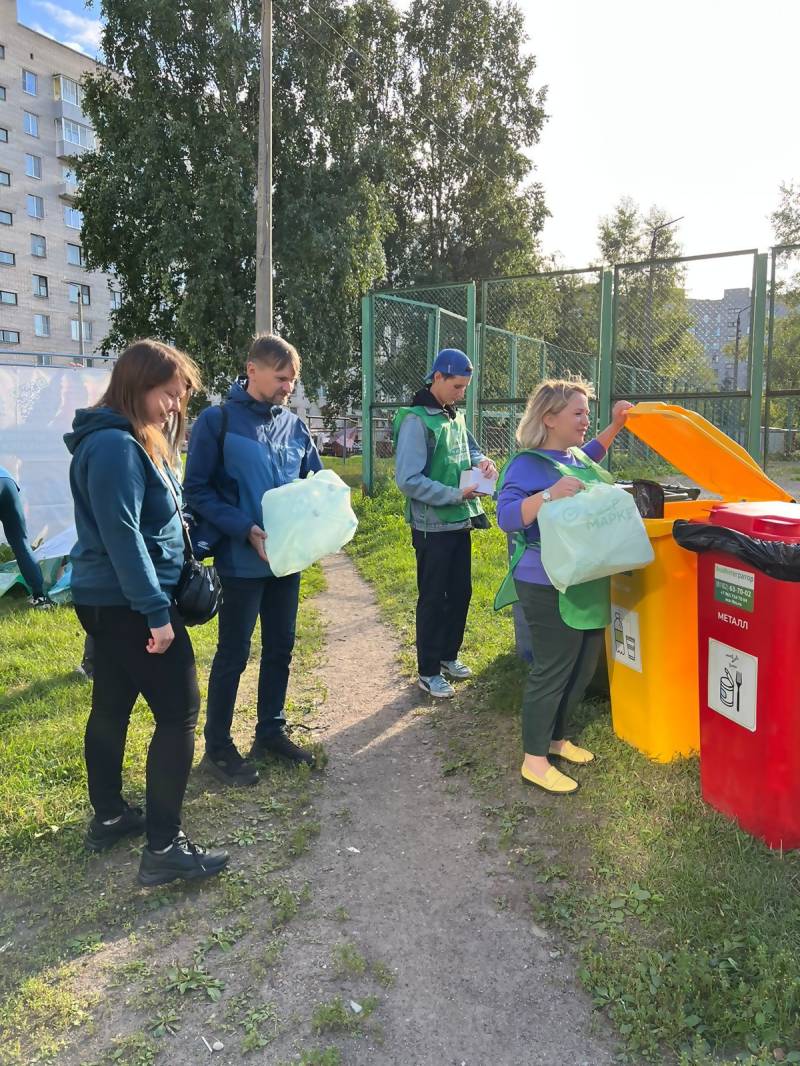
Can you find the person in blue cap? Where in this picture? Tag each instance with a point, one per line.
(12, 519)
(432, 448)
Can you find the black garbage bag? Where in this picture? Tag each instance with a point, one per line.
(774, 558)
(649, 498)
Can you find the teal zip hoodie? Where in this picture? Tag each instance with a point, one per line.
(129, 551)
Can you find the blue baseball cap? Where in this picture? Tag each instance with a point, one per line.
(451, 361)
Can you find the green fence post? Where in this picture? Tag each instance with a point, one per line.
(474, 357)
(605, 355)
(367, 390)
(513, 367)
(757, 326)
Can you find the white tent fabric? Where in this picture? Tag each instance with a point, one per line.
(37, 405)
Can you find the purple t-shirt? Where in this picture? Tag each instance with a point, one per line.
(526, 475)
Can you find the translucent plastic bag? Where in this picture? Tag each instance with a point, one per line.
(594, 534)
(305, 520)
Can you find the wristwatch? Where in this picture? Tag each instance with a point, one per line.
(546, 497)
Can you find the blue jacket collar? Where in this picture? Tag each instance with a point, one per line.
(239, 394)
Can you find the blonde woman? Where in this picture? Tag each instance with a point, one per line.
(125, 568)
(549, 466)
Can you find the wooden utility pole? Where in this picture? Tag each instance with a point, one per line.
(264, 188)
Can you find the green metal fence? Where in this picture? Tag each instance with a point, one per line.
(694, 330)
(781, 440)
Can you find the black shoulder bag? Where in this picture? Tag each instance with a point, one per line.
(198, 594)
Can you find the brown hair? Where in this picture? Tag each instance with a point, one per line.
(272, 350)
(144, 365)
(548, 398)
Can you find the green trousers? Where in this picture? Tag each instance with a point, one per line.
(564, 662)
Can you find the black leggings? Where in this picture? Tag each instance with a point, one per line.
(123, 670)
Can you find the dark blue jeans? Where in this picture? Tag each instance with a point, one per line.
(12, 519)
(244, 600)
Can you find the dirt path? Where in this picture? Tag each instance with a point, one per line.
(474, 984)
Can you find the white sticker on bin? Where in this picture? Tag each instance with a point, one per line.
(732, 683)
(626, 644)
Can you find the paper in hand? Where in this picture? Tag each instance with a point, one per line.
(474, 478)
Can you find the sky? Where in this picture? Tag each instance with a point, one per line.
(686, 104)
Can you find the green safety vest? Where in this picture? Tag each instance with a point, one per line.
(584, 606)
(450, 457)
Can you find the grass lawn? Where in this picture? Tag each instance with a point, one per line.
(688, 930)
(94, 968)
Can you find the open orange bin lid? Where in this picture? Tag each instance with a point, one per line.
(702, 452)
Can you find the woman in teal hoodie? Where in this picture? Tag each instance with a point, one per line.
(125, 567)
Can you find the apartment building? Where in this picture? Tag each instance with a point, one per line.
(49, 302)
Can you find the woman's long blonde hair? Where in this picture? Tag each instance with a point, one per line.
(142, 366)
(548, 398)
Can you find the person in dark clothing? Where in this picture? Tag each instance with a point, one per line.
(262, 447)
(125, 567)
(433, 448)
(12, 519)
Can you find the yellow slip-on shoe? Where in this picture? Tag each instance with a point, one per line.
(572, 753)
(553, 780)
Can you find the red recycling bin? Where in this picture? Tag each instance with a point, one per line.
(749, 647)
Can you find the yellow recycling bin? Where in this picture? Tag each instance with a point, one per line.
(651, 644)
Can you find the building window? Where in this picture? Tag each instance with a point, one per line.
(31, 124)
(41, 325)
(2, 92)
(40, 285)
(30, 83)
(9, 336)
(75, 133)
(33, 166)
(2, 51)
(69, 176)
(66, 89)
(75, 289)
(75, 330)
(34, 205)
(116, 299)
(38, 245)
(5, 218)
(5, 177)
(8, 297)
(3, 135)
(75, 255)
(8, 258)
(73, 218)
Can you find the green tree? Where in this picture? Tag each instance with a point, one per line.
(470, 116)
(657, 350)
(168, 197)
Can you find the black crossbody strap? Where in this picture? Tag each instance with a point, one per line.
(188, 554)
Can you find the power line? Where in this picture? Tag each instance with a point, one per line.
(415, 106)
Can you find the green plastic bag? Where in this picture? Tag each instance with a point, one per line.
(596, 533)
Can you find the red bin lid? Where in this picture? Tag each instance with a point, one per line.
(765, 521)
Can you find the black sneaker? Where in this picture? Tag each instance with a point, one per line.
(182, 859)
(42, 603)
(86, 670)
(99, 836)
(229, 767)
(282, 746)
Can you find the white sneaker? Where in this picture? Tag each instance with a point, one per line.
(437, 687)
(455, 668)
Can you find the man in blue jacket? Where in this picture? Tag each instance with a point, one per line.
(233, 460)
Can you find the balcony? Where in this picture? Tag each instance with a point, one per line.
(67, 190)
(66, 149)
(64, 109)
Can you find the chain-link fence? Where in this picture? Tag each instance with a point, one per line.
(404, 331)
(692, 331)
(682, 334)
(781, 442)
(532, 328)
